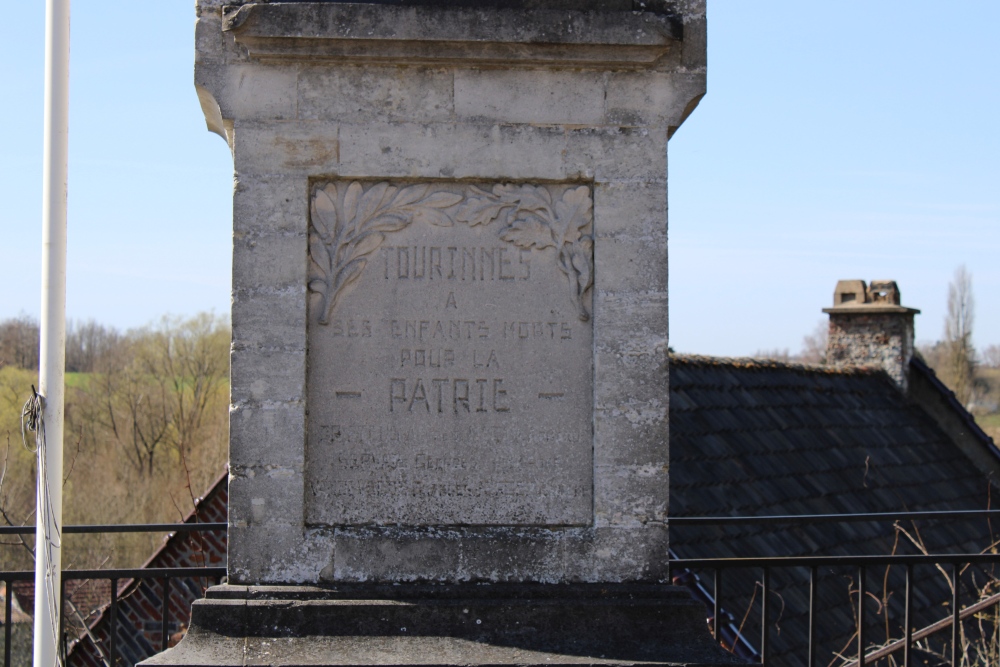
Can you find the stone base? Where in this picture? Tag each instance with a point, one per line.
(471, 624)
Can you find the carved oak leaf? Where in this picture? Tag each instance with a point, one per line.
(529, 232)
(529, 197)
(575, 211)
(481, 210)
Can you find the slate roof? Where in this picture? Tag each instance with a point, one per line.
(751, 437)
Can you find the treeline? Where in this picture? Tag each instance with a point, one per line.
(86, 344)
(146, 429)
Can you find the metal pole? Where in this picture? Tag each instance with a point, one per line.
(48, 539)
(862, 592)
(956, 619)
(764, 627)
(113, 626)
(8, 619)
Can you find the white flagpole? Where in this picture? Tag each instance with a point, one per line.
(48, 510)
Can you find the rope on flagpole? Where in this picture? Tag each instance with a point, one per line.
(33, 422)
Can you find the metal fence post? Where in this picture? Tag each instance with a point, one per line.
(862, 593)
(7, 618)
(908, 601)
(956, 621)
(166, 613)
(763, 617)
(113, 626)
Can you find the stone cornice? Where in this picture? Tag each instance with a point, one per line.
(426, 35)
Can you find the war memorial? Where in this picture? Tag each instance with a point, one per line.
(449, 423)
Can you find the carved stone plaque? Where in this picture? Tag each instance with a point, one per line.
(450, 362)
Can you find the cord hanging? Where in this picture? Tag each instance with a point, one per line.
(32, 421)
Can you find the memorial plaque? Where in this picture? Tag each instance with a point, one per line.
(450, 354)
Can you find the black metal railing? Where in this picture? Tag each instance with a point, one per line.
(166, 575)
(861, 564)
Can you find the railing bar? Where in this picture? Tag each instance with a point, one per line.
(764, 627)
(862, 593)
(811, 658)
(907, 619)
(113, 626)
(678, 520)
(148, 573)
(956, 621)
(827, 518)
(7, 618)
(716, 603)
(841, 561)
(166, 614)
(124, 528)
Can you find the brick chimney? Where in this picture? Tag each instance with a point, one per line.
(869, 327)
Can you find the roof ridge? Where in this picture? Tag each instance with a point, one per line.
(757, 363)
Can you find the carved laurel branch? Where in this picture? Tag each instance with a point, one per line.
(347, 227)
(345, 230)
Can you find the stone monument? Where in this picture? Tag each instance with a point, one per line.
(449, 395)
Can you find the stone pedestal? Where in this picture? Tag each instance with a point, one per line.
(449, 329)
(486, 624)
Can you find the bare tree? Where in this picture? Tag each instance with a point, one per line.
(991, 356)
(814, 344)
(190, 361)
(777, 354)
(155, 388)
(87, 343)
(960, 361)
(129, 407)
(19, 340)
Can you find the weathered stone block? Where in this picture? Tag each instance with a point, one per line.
(267, 375)
(271, 204)
(251, 92)
(270, 318)
(536, 96)
(453, 151)
(265, 495)
(617, 154)
(269, 435)
(273, 261)
(364, 94)
(652, 98)
(635, 210)
(288, 148)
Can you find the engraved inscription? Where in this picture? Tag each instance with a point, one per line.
(450, 370)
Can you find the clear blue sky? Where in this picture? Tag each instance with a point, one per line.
(849, 139)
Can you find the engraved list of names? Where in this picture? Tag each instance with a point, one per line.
(450, 371)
